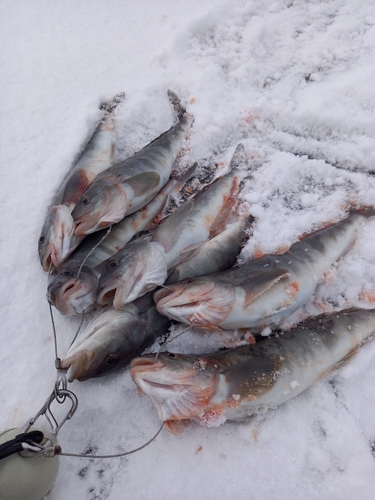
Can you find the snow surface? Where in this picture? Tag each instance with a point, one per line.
(294, 82)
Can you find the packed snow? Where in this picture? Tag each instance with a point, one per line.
(294, 82)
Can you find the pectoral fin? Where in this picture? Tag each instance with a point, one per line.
(252, 378)
(75, 187)
(257, 285)
(143, 183)
(176, 427)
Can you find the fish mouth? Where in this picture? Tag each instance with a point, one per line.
(47, 263)
(106, 296)
(164, 296)
(177, 394)
(84, 225)
(78, 365)
(73, 297)
(203, 307)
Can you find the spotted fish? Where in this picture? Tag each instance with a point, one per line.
(57, 239)
(235, 383)
(263, 291)
(131, 184)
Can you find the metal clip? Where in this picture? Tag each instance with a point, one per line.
(59, 393)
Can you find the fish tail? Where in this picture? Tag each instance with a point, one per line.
(181, 178)
(366, 211)
(110, 106)
(176, 103)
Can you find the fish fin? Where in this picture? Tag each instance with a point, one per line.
(219, 223)
(176, 427)
(173, 276)
(171, 229)
(176, 103)
(250, 379)
(142, 183)
(257, 285)
(191, 248)
(345, 360)
(181, 178)
(110, 106)
(76, 185)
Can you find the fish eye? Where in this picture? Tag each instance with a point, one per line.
(112, 265)
(67, 273)
(86, 200)
(172, 355)
(188, 280)
(42, 239)
(112, 359)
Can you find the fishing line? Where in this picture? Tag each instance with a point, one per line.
(117, 455)
(92, 250)
(171, 340)
(79, 329)
(54, 331)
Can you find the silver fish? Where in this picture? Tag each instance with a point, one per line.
(262, 291)
(57, 239)
(236, 383)
(144, 264)
(216, 255)
(72, 286)
(113, 338)
(131, 184)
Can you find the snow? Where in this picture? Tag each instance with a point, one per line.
(294, 82)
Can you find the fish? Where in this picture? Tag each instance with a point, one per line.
(217, 254)
(57, 239)
(144, 264)
(129, 185)
(262, 291)
(112, 339)
(72, 286)
(234, 384)
(116, 337)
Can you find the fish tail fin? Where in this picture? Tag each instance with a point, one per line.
(110, 106)
(181, 177)
(176, 103)
(366, 211)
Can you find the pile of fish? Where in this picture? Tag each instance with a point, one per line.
(108, 254)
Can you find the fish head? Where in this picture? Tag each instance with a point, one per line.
(57, 239)
(107, 343)
(103, 204)
(180, 386)
(131, 273)
(72, 289)
(202, 302)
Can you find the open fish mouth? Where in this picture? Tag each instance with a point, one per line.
(106, 295)
(178, 394)
(62, 240)
(202, 307)
(77, 365)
